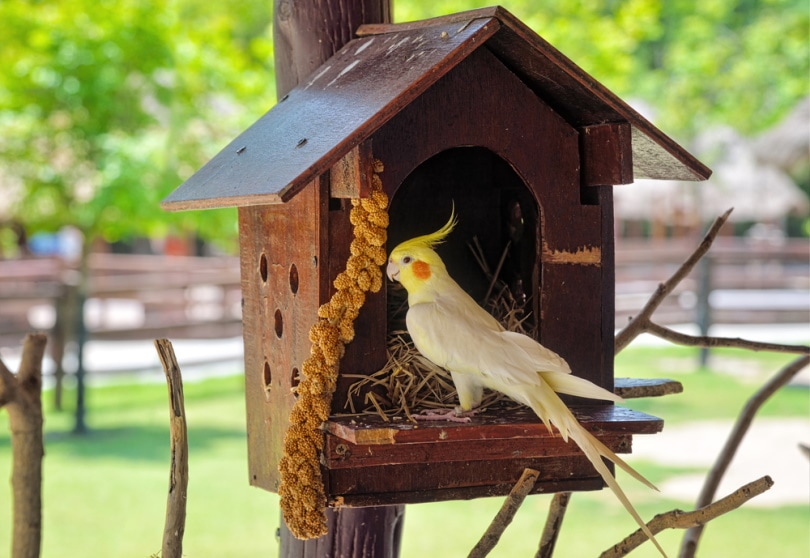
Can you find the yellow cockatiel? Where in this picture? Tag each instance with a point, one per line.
(450, 329)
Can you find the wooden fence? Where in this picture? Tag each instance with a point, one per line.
(737, 282)
(144, 297)
(129, 297)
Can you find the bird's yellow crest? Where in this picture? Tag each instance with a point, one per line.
(433, 239)
(414, 262)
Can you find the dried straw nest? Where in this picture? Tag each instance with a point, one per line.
(409, 382)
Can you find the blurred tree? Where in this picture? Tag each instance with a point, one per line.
(106, 107)
(743, 63)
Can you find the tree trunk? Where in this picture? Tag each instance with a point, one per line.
(305, 34)
(21, 395)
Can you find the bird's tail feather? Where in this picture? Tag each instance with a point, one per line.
(595, 450)
(580, 387)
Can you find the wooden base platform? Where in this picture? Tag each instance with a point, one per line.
(372, 462)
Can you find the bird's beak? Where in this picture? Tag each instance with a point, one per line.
(392, 271)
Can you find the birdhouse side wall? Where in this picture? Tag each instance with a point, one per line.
(281, 254)
(366, 354)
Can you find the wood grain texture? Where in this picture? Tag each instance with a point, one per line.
(341, 455)
(608, 288)
(571, 91)
(175, 525)
(441, 460)
(307, 33)
(280, 246)
(495, 424)
(430, 482)
(462, 493)
(326, 115)
(350, 177)
(344, 100)
(362, 532)
(607, 154)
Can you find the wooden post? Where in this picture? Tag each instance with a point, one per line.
(305, 34)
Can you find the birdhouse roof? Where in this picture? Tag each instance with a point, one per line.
(374, 76)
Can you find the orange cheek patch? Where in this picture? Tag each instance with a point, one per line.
(421, 270)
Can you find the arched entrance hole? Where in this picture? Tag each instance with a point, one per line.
(496, 212)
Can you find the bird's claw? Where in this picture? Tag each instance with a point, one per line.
(451, 415)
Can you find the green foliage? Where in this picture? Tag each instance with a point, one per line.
(743, 64)
(105, 108)
(106, 492)
(712, 393)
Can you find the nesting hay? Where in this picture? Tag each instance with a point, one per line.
(409, 382)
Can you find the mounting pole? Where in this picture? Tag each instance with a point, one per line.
(305, 34)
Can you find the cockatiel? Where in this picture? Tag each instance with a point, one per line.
(450, 329)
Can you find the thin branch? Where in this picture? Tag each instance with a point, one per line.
(556, 514)
(692, 536)
(678, 519)
(726, 342)
(637, 325)
(178, 477)
(505, 514)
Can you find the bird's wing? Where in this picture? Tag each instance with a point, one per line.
(466, 339)
(545, 359)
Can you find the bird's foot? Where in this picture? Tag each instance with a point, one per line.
(452, 415)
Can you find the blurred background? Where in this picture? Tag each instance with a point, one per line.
(106, 107)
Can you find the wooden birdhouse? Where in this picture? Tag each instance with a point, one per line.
(473, 110)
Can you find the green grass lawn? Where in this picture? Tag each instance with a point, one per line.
(105, 493)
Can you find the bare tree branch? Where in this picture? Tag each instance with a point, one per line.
(637, 324)
(505, 514)
(21, 396)
(692, 536)
(175, 525)
(726, 342)
(678, 519)
(556, 514)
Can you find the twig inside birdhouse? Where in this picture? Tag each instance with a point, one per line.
(409, 381)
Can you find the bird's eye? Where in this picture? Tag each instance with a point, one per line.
(406, 260)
